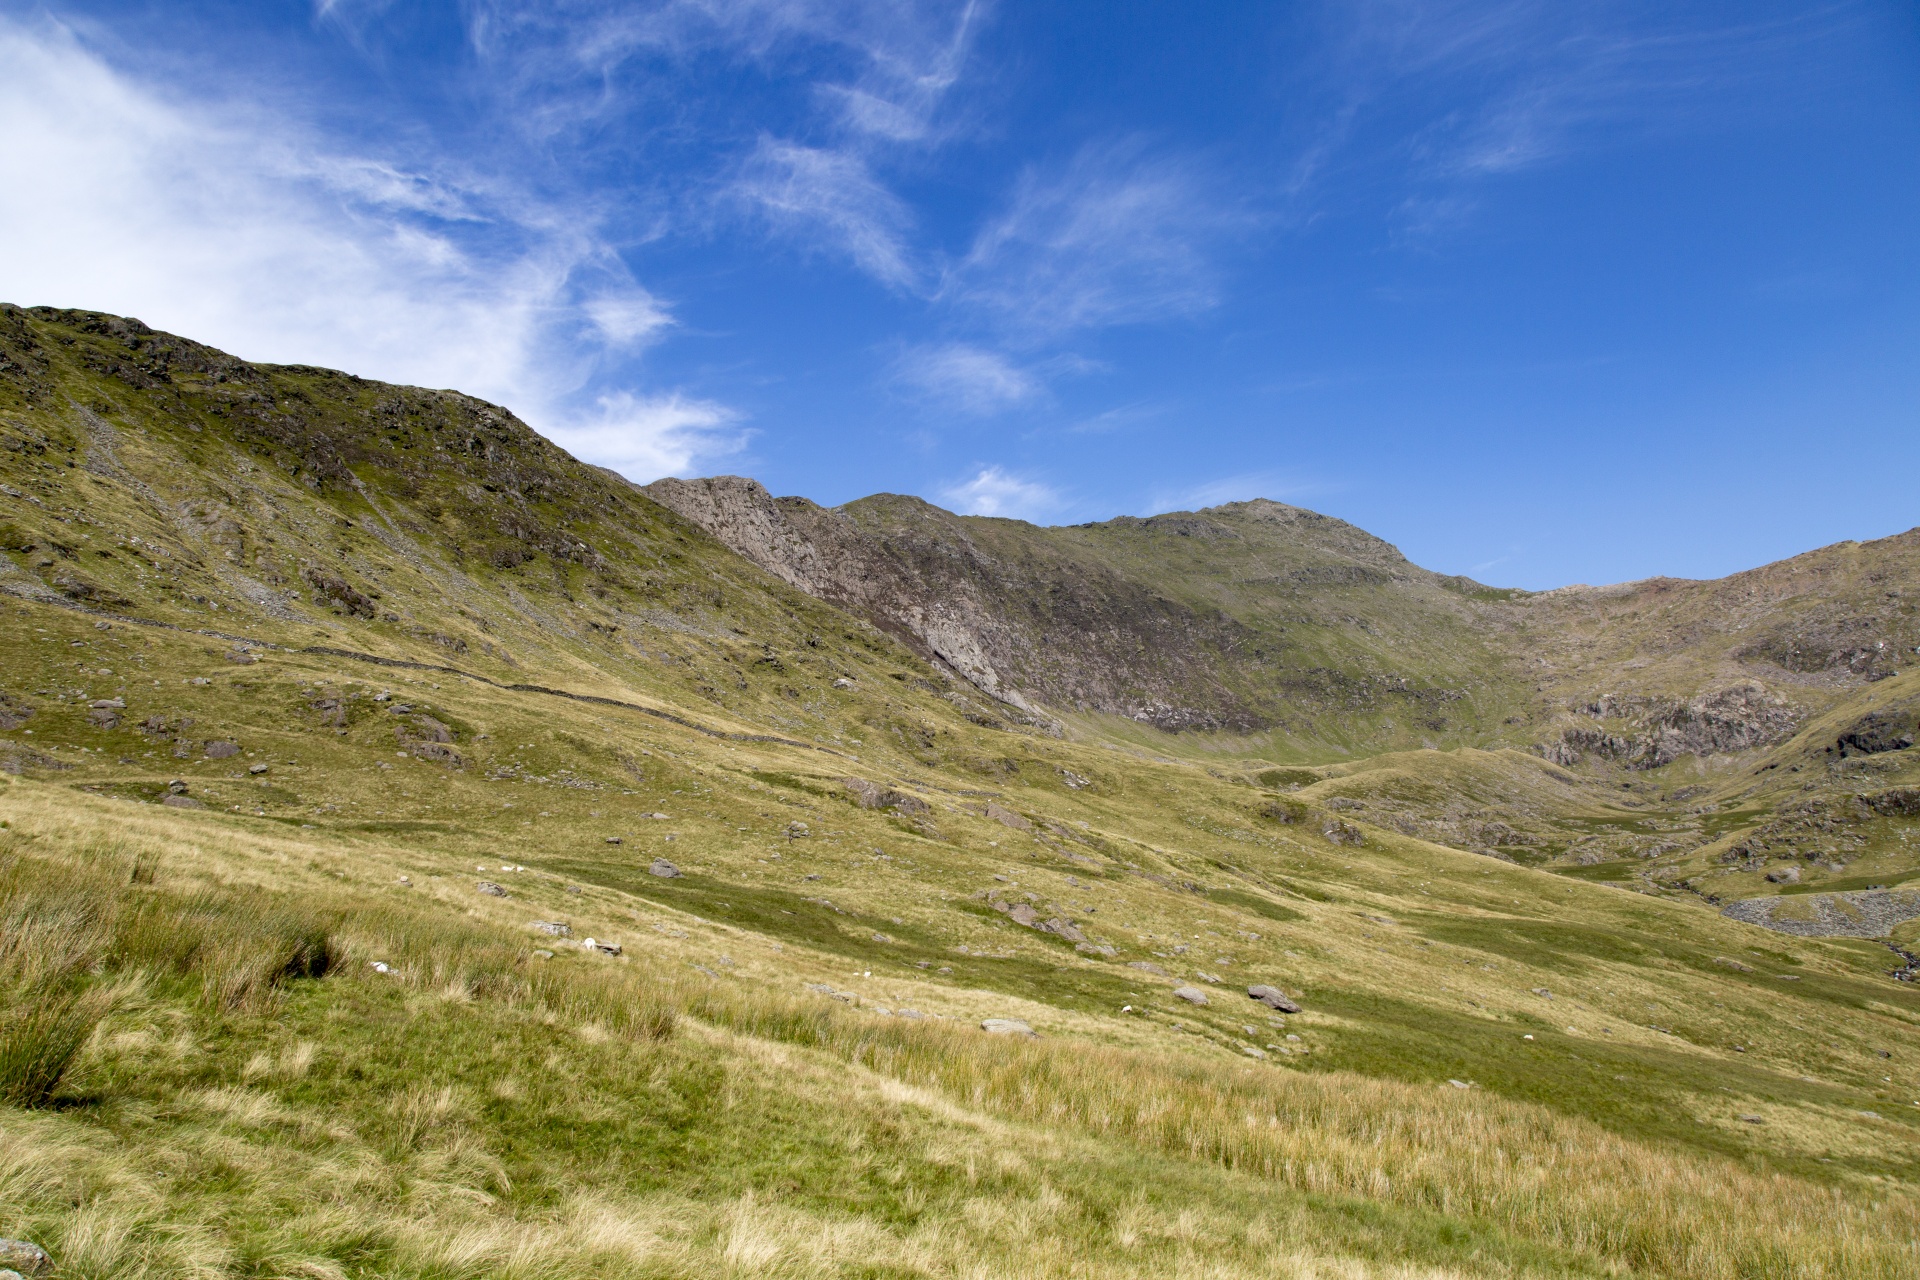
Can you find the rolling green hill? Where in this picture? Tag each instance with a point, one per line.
(336, 718)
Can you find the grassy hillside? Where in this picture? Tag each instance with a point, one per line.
(296, 894)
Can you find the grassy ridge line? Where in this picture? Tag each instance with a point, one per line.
(1555, 1180)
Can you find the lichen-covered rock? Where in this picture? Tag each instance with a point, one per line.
(25, 1257)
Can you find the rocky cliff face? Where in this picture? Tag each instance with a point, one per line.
(1648, 732)
(1239, 618)
(1260, 616)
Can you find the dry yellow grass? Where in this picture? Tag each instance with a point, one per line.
(237, 922)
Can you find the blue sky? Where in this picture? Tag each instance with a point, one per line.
(1541, 292)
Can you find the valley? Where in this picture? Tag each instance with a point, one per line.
(422, 853)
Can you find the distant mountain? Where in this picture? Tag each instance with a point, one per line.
(1258, 617)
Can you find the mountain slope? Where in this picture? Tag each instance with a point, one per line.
(1246, 618)
(377, 707)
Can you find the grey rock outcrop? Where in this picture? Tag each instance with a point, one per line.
(1866, 913)
(1007, 1027)
(1273, 998)
(1646, 732)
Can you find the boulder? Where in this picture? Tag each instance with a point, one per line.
(1192, 995)
(1007, 1027)
(438, 752)
(1007, 817)
(222, 750)
(871, 795)
(554, 928)
(1273, 998)
(257, 769)
(24, 1256)
(1147, 966)
(181, 802)
(1096, 949)
(1023, 914)
(664, 869)
(1065, 929)
(491, 889)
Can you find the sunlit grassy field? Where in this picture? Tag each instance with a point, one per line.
(207, 1075)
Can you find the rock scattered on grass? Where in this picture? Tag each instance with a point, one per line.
(1273, 998)
(604, 948)
(1008, 1027)
(1192, 995)
(554, 928)
(1147, 966)
(664, 869)
(491, 889)
(25, 1257)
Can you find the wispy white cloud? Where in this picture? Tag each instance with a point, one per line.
(1116, 236)
(967, 378)
(652, 436)
(831, 198)
(994, 492)
(1495, 88)
(230, 224)
(881, 69)
(1120, 418)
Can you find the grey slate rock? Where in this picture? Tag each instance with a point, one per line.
(1273, 998)
(25, 1257)
(664, 869)
(1007, 1027)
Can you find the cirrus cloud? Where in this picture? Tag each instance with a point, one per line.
(236, 226)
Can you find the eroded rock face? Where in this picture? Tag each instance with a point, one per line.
(1043, 618)
(1870, 913)
(1877, 732)
(1645, 733)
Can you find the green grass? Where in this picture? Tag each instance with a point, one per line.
(210, 1079)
